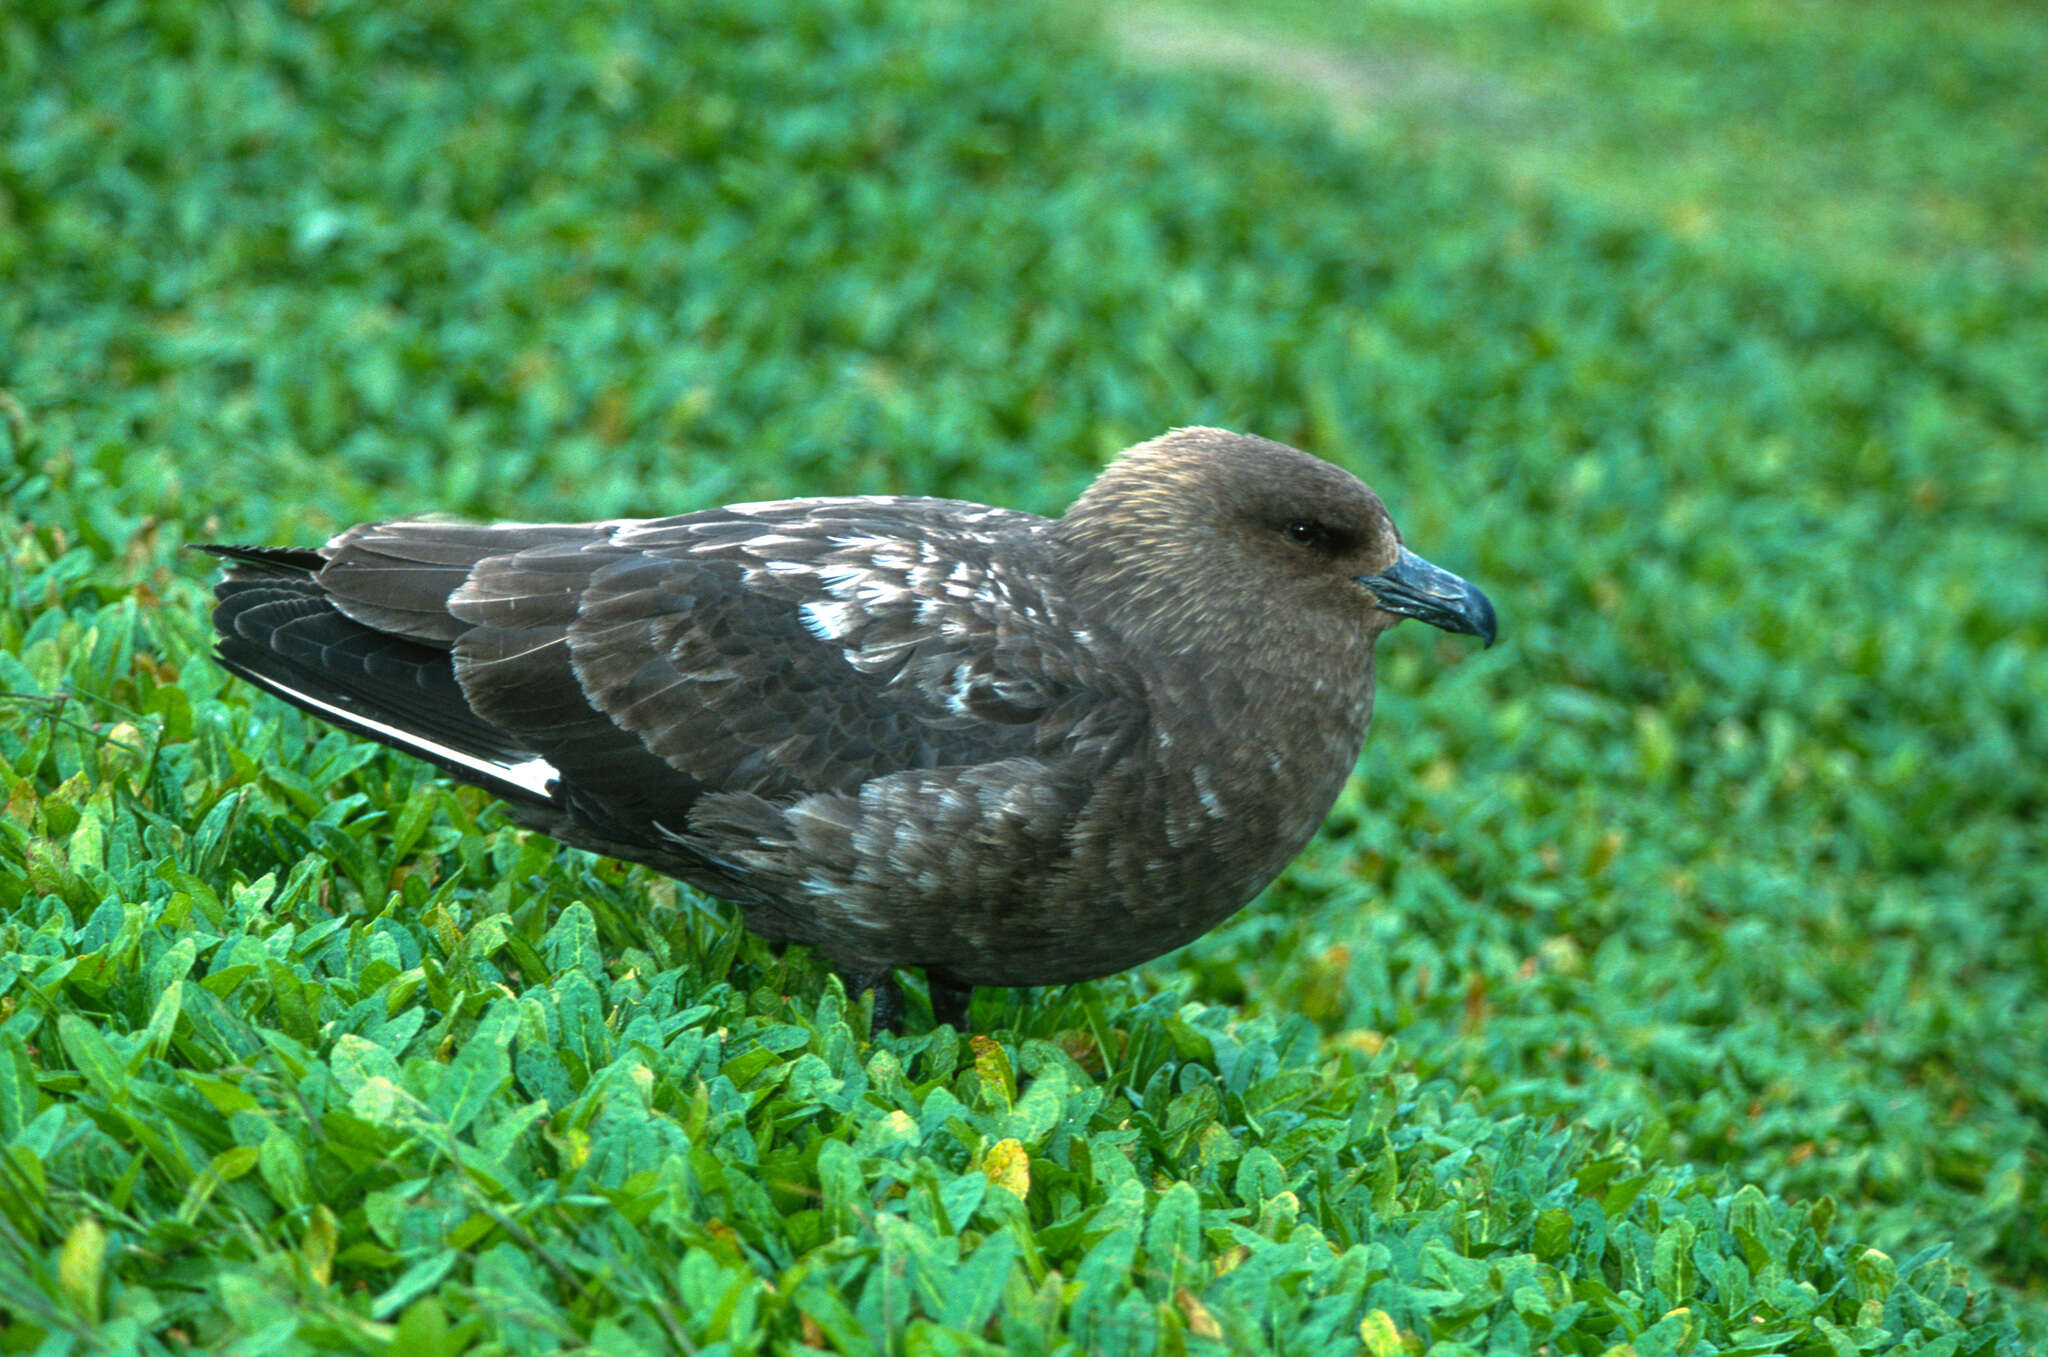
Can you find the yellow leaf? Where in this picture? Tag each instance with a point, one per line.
(992, 1064)
(82, 1265)
(1362, 1040)
(1201, 1323)
(316, 1249)
(1009, 1167)
(1380, 1336)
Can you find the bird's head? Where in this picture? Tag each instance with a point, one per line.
(1202, 536)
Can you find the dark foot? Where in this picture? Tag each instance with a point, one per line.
(949, 1002)
(888, 997)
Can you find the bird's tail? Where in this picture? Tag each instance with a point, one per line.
(277, 626)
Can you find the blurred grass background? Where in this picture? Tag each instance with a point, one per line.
(1661, 965)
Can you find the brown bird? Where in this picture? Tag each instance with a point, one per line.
(1011, 750)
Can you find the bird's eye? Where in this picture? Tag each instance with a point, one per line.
(1303, 533)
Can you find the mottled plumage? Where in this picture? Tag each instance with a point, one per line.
(908, 732)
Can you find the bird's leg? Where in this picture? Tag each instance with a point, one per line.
(888, 997)
(950, 1002)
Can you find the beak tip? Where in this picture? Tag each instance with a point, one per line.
(1483, 623)
(1412, 587)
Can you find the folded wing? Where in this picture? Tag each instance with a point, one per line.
(620, 673)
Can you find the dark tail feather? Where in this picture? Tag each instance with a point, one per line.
(276, 627)
(276, 560)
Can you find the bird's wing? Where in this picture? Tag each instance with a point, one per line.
(776, 649)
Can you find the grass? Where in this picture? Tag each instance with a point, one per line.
(1875, 142)
(1670, 977)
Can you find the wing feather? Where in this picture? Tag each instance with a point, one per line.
(793, 658)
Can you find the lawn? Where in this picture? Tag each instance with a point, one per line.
(1672, 978)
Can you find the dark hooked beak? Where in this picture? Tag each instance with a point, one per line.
(1412, 587)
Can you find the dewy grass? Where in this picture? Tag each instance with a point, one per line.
(1678, 986)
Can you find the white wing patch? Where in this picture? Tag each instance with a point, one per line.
(917, 590)
(913, 591)
(829, 621)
